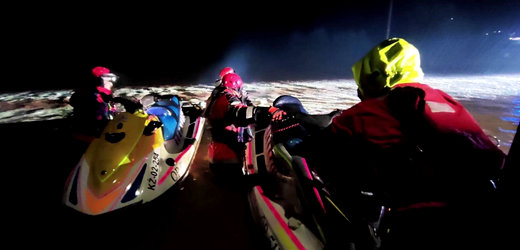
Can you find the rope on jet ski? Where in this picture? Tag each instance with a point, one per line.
(288, 127)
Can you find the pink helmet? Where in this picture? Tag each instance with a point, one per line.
(232, 81)
(225, 71)
(99, 71)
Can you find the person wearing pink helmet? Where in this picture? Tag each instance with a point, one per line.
(92, 104)
(230, 113)
(219, 88)
(223, 72)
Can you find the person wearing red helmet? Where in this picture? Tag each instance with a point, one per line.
(92, 105)
(225, 71)
(219, 87)
(230, 113)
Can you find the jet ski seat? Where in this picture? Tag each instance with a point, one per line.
(293, 131)
(168, 112)
(292, 134)
(289, 104)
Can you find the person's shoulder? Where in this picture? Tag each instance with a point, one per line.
(434, 94)
(228, 91)
(221, 99)
(427, 88)
(364, 106)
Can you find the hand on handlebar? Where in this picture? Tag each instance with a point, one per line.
(129, 105)
(276, 113)
(336, 112)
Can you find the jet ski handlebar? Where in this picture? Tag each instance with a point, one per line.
(129, 105)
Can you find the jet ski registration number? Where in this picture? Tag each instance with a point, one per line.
(154, 172)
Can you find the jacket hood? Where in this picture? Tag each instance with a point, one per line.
(392, 62)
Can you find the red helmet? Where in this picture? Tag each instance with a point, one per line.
(232, 81)
(99, 71)
(225, 71)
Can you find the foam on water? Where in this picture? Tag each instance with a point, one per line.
(316, 96)
(483, 95)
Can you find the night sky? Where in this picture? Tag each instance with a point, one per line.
(186, 43)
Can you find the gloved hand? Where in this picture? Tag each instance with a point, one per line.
(129, 105)
(335, 113)
(276, 113)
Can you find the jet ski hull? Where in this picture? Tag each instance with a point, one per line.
(136, 165)
(282, 231)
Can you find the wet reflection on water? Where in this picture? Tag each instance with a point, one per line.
(498, 117)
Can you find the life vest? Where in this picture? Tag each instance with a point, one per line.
(222, 127)
(218, 91)
(227, 144)
(93, 103)
(424, 147)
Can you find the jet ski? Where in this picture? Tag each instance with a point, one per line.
(138, 157)
(295, 209)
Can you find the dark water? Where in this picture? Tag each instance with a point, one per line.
(204, 215)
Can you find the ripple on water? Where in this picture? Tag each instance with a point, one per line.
(493, 100)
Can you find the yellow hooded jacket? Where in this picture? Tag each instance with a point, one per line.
(392, 62)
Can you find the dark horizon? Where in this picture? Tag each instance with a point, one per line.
(188, 45)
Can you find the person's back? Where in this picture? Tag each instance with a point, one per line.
(413, 145)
